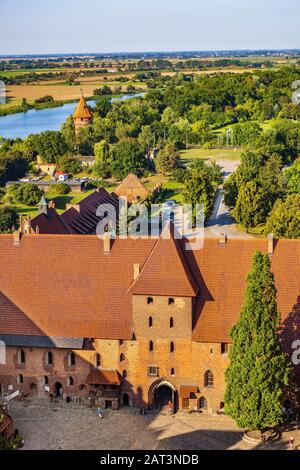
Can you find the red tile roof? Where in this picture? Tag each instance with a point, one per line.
(103, 377)
(165, 270)
(61, 285)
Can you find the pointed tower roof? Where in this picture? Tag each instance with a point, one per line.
(82, 110)
(43, 206)
(165, 272)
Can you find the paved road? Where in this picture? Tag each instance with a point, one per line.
(220, 221)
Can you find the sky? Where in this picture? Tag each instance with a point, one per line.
(79, 26)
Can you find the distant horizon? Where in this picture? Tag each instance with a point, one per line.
(154, 51)
(33, 27)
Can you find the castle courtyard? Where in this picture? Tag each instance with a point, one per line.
(60, 425)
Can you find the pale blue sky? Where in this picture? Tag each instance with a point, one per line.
(53, 26)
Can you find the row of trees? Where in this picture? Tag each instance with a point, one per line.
(263, 192)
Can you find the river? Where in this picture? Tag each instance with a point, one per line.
(35, 121)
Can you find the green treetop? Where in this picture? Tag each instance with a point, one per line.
(258, 369)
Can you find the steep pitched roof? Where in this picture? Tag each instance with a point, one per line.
(49, 223)
(83, 219)
(132, 188)
(82, 111)
(165, 270)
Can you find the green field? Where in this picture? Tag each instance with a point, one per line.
(212, 154)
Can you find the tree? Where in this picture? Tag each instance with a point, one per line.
(292, 176)
(69, 165)
(250, 209)
(50, 145)
(102, 159)
(199, 189)
(8, 219)
(61, 189)
(167, 158)
(25, 193)
(258, 370)
(127, 157)
(284, 218)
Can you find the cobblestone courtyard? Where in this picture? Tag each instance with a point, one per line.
(69, 426)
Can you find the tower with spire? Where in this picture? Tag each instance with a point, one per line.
(82, 115)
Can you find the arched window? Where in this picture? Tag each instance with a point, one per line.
(172, 371)
(20, 379)
(21, 357)
(172, 346)
(151, 347)
(170, 301)
(46, 380)
(70, 381)
(150, 321)
(98, 360)
(124, 373)
(171, 322)
(208, 379)
(71, 359)
(203, 403)
(149, 300)
(122, 357)
(222, 404)
(49, 358)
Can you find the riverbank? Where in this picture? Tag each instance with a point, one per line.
(35, 121)
(17, 109)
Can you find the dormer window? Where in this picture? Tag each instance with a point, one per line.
(149, 300)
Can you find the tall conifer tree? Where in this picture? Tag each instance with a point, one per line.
(258, 369)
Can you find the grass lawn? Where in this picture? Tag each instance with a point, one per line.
(187, 156)
(257, 231)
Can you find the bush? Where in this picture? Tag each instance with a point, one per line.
(8, 219)
(61, 189)
(180, 175)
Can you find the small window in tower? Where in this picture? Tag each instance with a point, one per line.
(224, 348)
(21, 358)
(172, 346)
(122, 357)
(151, 347)
(71, 359)
(124, 374)
(171, 301)
(149, 300)
(172, 372)
(49, 359)
(171, 322)
(20, 379)
(70, 381)
(98, 360)
(150, 321)
(208, 379)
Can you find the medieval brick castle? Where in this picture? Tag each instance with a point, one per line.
(132, 322)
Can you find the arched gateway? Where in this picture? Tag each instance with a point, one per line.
(161, 392)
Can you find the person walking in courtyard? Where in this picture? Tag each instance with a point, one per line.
(292, 440)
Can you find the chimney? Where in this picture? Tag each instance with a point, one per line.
(270, 244)
(17, 237)
(223, 239)
(106, 243)
(136, 271)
